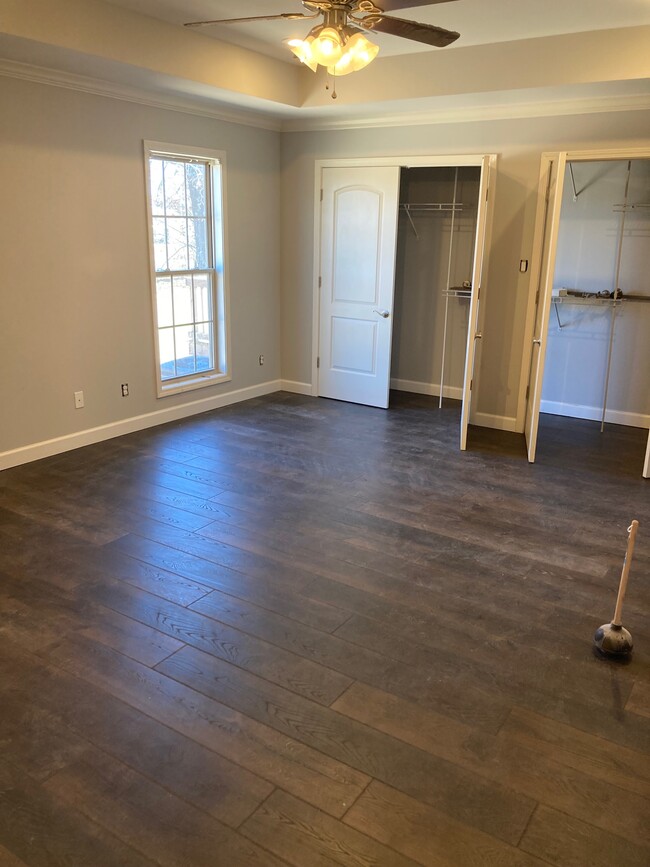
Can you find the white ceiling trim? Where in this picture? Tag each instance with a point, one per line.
(460, 114)
(467, 114)
(127, 93)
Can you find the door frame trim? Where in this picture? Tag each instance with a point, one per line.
(402, 162)
(537, 252)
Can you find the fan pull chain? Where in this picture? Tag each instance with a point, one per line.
(327, 86)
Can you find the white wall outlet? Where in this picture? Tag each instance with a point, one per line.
(125, 389)
(261, 360)
(79, 399)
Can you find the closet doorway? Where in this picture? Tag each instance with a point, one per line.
(401, 249)
(590, 348)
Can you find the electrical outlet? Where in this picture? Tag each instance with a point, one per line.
(79, 400)
(261, 360)
(125, 389)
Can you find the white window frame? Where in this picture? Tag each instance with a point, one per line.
(220, 300)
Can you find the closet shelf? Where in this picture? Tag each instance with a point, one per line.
(457, 292)
(639, 206)
(595, 301)
(431, 206)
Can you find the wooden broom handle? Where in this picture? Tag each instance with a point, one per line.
(626, 571)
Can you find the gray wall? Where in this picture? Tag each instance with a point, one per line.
(75, 309)
(519, 144)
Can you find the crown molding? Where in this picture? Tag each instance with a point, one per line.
(469, 114)
(128, 93)
(260, 120)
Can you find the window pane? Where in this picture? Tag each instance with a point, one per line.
(204, 347)
(167, 353)
(157, 190)
(183, 308)
(174, 189)
(185, 362)
(164, 301)
(196, 175)
(198, 243)
(177, 244)
(159, 244)
(202, 298)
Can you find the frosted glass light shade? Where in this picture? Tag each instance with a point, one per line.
(357, 54)
(327, 47)
(303, 51)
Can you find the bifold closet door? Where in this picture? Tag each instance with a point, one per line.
(646, 466)
(549, 205)
(478, 272)
(358, 246)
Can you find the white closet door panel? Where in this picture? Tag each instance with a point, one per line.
(646, 466)
(358, 245)
(545, 245)
(483, 220)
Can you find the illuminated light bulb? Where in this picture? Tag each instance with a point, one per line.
(327, 47)
(303, 51)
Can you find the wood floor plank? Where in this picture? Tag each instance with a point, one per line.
(567, 842)
(639, 700)
(309, 774)
(80, 712)
(597, 757)
(427, 835)
(240, 648)
(464, 795)
(513, 764)
(42, 832)
(149, 819)
(303, 835)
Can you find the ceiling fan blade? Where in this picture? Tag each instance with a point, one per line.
(395, 5)
(429, 34)
(286, 16)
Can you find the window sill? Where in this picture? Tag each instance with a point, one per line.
(170, 388)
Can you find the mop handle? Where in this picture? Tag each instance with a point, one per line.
(626, 571)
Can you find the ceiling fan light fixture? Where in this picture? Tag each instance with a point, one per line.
(357, 54)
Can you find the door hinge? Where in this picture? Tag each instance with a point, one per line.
(321, 195)
(487, 192)
(318, 362)
(471, 383)
(537, 297)
(527, 392)
(320, 282)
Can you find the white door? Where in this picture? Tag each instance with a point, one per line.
(546, 233)
(358, 245)
(478, 274)
(646, 466)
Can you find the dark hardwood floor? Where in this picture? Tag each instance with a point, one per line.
(296, 631)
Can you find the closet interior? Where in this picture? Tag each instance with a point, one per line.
(433, 273)
(598, 347)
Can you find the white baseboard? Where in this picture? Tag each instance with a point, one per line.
(47, 448)
(296, 387)
(594, 413)
(498, 422)
(432, 388)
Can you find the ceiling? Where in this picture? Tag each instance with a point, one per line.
(479, 22)
(514, 58)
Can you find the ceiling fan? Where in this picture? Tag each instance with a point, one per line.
(339, 42)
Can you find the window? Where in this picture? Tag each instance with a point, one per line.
(185, 205)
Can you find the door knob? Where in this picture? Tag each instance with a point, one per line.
(478, 335)
(383, 313)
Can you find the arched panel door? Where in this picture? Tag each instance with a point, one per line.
(358, 246)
